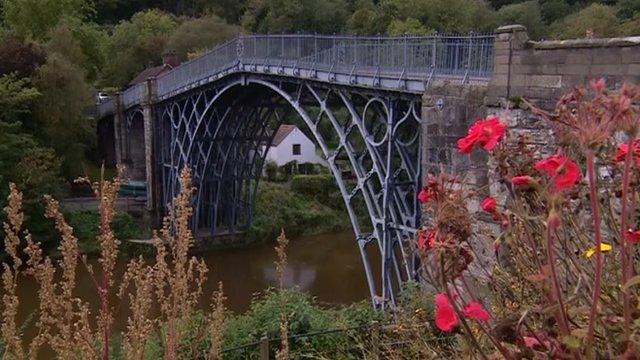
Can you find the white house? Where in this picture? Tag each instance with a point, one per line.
(289, 144)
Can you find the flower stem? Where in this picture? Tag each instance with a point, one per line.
(562, 316)
(624, 253)
(595, 207)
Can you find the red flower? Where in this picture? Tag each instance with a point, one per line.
(521, 180)
(530, 341)
(633, 236)
(476, 311)
(446, 317)
(485, 133)
(597, 85)
(623, 149)
(489, 205)
(425, 195)
(426, 239)
(564, 172)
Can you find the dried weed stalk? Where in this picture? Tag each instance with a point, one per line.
(281, 265)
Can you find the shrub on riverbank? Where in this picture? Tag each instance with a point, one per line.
(86, 226)
(278, 206)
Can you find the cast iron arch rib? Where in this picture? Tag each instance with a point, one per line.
(224, 130)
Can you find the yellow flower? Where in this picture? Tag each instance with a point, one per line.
(604, 247)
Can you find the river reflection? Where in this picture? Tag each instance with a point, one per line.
(328, 267)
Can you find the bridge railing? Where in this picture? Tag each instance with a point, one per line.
(211, 63)
(469, 56)
(134, 95)
(409, 57)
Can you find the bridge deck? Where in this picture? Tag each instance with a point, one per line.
(407, 64)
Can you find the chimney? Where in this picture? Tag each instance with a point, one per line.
(170, 58)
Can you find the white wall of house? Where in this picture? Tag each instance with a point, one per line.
(283, 152)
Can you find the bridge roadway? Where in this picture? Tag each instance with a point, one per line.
(360, 98)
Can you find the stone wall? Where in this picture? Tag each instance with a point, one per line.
(542, 71)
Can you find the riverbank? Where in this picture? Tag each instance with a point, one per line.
(303, 206)
(307, 205)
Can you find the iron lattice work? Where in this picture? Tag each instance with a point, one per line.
(371, 141)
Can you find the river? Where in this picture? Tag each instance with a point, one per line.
(328, 267)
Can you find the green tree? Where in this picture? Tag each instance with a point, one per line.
(196, 35)
(230, 10)
(526, 13)
(134, 45)
(277, 16)
(457, 16)
(627, 9)
(35, 170)
(409, 26)
(553, 10)
(601, 19)
(33, 19)
(61, 120)
(16, 97)
(631, 27)
(367, 19)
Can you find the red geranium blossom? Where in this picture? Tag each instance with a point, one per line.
(489, 205)
(425, 195)
(623, 149)
(426, 239)
(476, 311)
(485, 133)
(521, 180)
(446, 317)
(564, 172)
(633, 236)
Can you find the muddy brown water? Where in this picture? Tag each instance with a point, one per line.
(327, 266)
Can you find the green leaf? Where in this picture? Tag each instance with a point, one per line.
(572, 342)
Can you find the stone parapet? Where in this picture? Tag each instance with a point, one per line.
(541, 71)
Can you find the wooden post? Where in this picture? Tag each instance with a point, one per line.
(264, 348)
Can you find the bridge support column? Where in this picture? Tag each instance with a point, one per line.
(148, 115)
(147, 112)
(119, 134)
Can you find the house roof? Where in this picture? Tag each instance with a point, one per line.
(150, 72)
(283, 131)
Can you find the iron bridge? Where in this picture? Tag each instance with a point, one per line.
(360, 98)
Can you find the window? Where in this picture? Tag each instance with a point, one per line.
(296, 149)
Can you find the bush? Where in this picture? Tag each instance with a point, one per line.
(263, 318)
(278, 207)
(271, 171)
(527, 14)
(316, 186)
(600, 19)
(86, 225)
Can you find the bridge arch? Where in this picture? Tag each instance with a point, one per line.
(223, 131)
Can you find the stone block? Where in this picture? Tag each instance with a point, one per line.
(545, 81)
(499, 79)
(630, 54)
(501, 59)
(500, 69)
(569, 81)
(574, 69)
(606, 56)
(633, 69)
(578, 56)
(605, 70)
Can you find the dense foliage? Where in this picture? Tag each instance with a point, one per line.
(312, 209)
